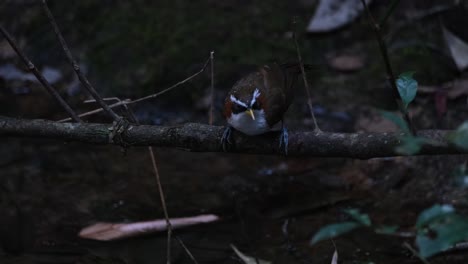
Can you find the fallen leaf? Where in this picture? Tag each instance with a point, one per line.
(10, 72)
(52, 75)
(113, 231)
(248, 259)
(333, 14)
(458, 49)
(346, 63)
(454, 89)
(457, 88)
(335, 257)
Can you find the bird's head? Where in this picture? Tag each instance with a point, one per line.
(244, 102)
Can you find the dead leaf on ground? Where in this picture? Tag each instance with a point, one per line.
(346, 62)
(455, 34)
(113, 231)
(248, 259)
(458, 49)
(335, 257)
(454, 89)
(333, 14)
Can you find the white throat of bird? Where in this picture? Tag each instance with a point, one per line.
(246, 124)
(251, 120)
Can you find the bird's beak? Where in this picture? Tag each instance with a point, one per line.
(250, 113)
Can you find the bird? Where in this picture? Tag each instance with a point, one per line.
(257, 103)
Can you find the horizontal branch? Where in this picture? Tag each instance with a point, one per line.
(206, 138)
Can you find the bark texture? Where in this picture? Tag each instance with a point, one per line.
(206, 138)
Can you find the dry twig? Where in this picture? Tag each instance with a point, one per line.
(129, 102)
(304, 77)
(187, 250)
(163, 202)
(76, 67)
(388, 66)
(415, 253)
(160, 188)
(212, 89)
(39, 76)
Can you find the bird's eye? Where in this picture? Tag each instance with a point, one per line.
(238, 108)
(256, 106)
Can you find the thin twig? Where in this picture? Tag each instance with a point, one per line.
(304, 77)
(158, 181)
(388, 66)
(390, 10)
(172, 87)
(87, 101)
(163, 202)
(40, 77)
(129, 102)
(186, 250)
(75, 65)
(212, 88)
(415, 253)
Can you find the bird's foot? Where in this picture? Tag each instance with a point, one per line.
(226, 138)
(284, 140)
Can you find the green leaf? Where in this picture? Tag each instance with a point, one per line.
(460, 136)
(397, 120)
(460, 175)
(443, 234)
(407, 87)
(333, 230)
(360, 218)
(433, 213)
(410, 145)
(386, 230)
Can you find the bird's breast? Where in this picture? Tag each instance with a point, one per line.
(245, 124)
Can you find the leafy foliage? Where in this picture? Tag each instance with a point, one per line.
(334, 230)
(433, 213)
(461, 175)
(460, 136)
(386, 229)
(409, 144)
(439, 228)
(407, 88)
(397, 120)
(363, 219)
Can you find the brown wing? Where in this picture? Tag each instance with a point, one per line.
(278, 82)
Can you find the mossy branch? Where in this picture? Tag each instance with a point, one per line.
(205, 138)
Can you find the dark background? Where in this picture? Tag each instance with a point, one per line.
(50, 190)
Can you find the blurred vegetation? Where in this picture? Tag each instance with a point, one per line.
(138, 47)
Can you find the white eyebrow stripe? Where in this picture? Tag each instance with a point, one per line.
(235, 100)
(255, 95)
